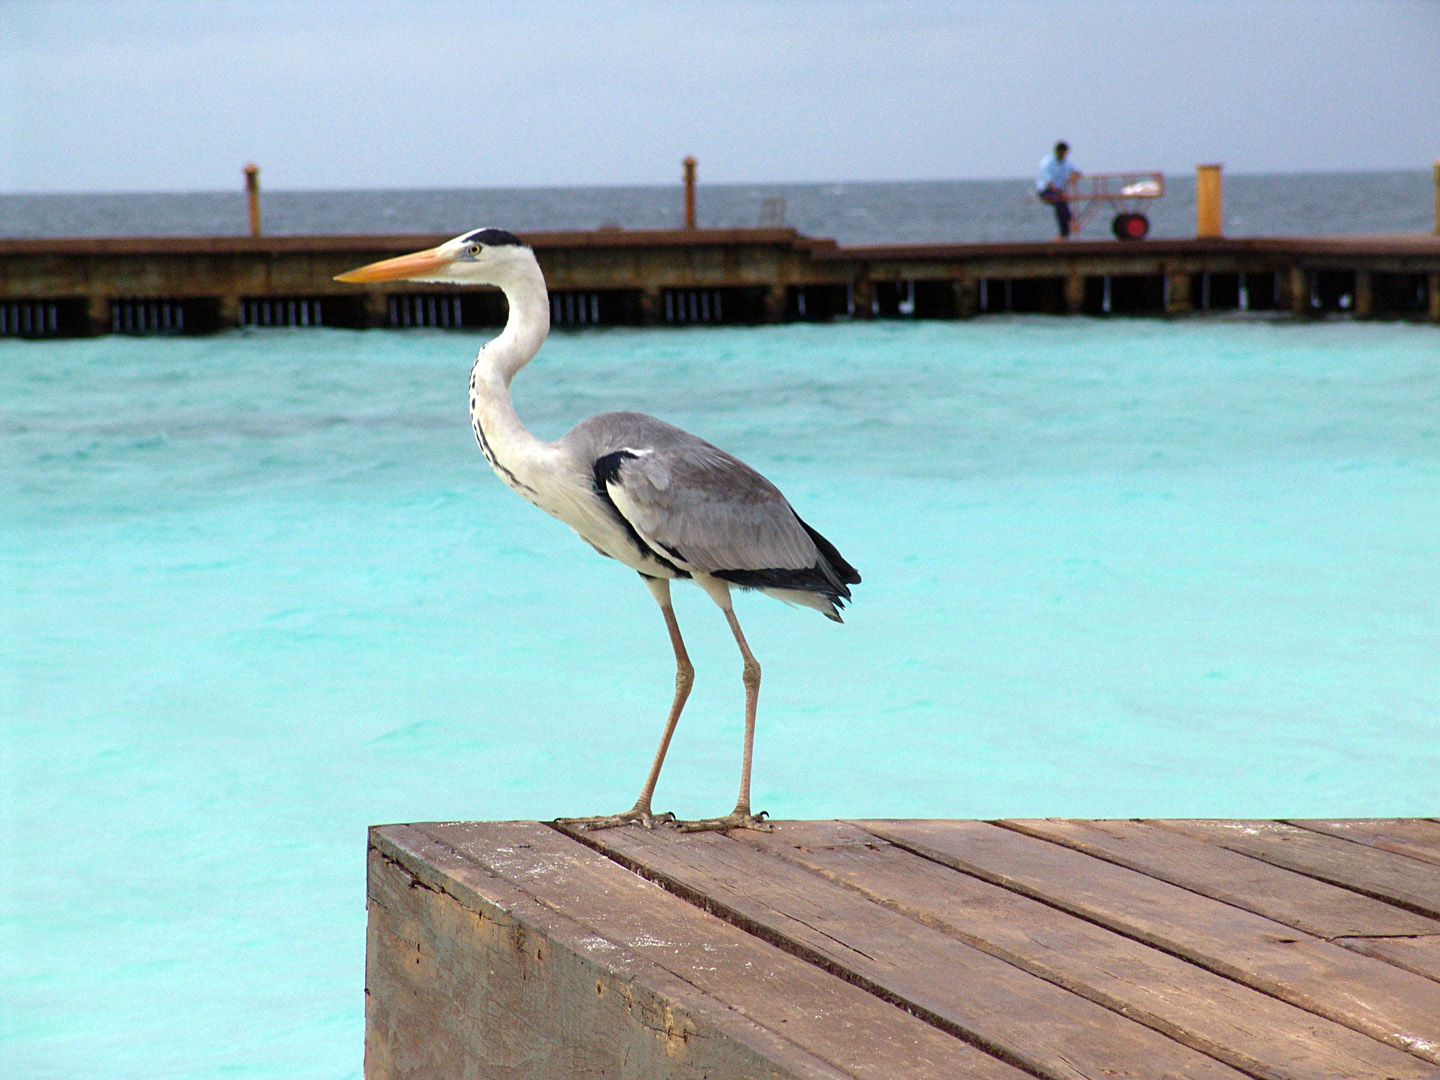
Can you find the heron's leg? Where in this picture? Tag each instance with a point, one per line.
(684, 680)
(740, 817)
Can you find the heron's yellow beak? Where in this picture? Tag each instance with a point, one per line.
(420, 264)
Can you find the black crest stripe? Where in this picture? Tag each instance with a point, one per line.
(494, 238)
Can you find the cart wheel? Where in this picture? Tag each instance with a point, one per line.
(1130, 226)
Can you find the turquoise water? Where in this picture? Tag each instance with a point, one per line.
(261, 591)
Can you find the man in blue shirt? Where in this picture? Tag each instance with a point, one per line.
(1052, 183)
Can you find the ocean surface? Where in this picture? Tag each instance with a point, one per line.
(262, 591)
(853, 213)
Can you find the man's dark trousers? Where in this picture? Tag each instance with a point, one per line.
(1062, 210)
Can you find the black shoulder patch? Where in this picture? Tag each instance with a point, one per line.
(494, 238)
(607, 471)
(607, 468)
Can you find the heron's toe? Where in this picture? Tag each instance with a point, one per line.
(634, 816)
(737, 819)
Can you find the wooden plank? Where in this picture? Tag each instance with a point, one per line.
(704, 968)
(1418, 954)
(1283, 895)
(1415, 837)
(1396, 879)
(1394, 1006)
(1251, 1031)
(1044, 1027)
(476, 978)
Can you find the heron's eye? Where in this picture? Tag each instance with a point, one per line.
(473, 249)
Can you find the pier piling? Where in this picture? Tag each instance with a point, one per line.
(1364, 294)
(227, 313)
(967, 297)
(377, 309)
(1178, 296)
(97, 315)
(862, 298)
(1298, 293)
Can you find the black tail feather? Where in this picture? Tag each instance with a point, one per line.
(844, 572)
(817, 579)
(830, 577)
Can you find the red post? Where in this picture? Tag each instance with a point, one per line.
(689, 193)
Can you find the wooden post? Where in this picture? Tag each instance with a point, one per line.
(1208, 218)
(97, 313)
(377, 310)
(1299, 282)
(1179, 301)
(652, 304)
(1434, 290)
(252, 196)
(1436, 167)
(775, 304)
(689, 192)
(1364, 294)
(862, 298)
(228, 315)
(967, 297)
(1074, 294)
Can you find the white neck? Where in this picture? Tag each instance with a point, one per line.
(513, 452)
(527, 324)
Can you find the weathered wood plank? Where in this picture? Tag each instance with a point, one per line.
(1293, 899)
(1396, 879)
(1050, 1030)
(1394, 1006)
(1415, 837)
(475, 979)
(1242, 1027)
(713, 983)
(1418, 954)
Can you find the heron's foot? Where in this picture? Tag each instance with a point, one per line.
(635, 816)
(736, 819)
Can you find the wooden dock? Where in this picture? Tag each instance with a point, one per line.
(156, 285)
(915, 949)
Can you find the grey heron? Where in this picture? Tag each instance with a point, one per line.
(638, 490)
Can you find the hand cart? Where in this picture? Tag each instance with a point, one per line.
(1125, 193)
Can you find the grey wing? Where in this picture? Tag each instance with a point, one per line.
(690, 501)
(709, 511)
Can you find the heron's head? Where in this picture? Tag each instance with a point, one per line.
(481, 257)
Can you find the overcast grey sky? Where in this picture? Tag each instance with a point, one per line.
(136, 95)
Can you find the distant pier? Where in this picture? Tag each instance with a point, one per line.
(929, 950)
(611, 276)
